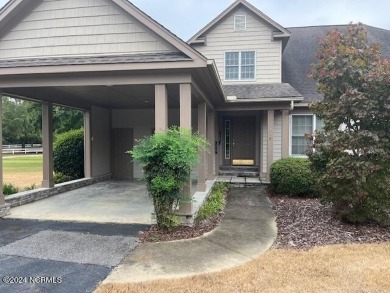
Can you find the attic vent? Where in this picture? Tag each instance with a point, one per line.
(240, 22)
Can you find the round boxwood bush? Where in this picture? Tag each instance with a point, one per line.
(293, 176)
(69, 154)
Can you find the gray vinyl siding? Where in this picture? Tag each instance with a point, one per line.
(278, 136)
(142, 123)
(75, 27)
(257, 37)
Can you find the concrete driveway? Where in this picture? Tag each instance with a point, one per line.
(124, 202)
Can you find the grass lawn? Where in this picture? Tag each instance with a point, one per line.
(23, 170)
(336, 268)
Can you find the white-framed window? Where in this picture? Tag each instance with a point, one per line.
(240, 65)
(240, 22)
(300, 126)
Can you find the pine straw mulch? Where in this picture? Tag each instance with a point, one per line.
(155, 234)
(305, 223)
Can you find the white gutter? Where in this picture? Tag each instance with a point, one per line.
(292, 100)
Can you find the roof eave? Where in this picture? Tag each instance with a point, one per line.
(214, 73)
(260, 100)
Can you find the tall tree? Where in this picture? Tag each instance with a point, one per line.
(64, 119)
(353, 160)
(18, 126)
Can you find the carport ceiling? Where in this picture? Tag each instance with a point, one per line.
(114, 97)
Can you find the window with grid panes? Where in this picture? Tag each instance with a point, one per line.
(302, 125)
(240, 65)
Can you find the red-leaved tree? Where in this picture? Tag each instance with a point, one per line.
(352, 155)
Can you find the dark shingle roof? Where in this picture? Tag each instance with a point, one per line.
(261, 91)
(86, 60)
(300, 53)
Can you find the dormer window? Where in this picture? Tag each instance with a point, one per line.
(240, 22)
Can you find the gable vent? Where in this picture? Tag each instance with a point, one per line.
(240, 22)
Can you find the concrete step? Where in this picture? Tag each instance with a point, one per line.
(240, 181)
(239, 171)
(239, 168)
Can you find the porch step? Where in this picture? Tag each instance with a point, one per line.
(239, 171)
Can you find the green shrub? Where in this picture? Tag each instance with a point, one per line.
(31, 187)
(61, 178)
(215, 203)
(167, 159)
(9, 188)
(293, 176)
(69, 154)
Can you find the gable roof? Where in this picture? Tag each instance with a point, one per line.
(280, 32)
(300, 53)
(15, 10)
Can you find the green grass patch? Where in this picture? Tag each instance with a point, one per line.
(215, 203)
(22, 164)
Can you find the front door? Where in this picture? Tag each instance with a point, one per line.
(123, 142)
(240, 141)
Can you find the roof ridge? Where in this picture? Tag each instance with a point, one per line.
(336, 25)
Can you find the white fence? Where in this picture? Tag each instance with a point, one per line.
(17, 149)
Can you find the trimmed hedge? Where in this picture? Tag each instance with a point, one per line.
(293, 176)
(69, 154)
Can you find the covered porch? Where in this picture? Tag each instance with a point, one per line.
(120, 108)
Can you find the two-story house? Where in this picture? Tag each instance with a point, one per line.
(241, 82)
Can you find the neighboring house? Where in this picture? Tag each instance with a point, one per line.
(241, 81)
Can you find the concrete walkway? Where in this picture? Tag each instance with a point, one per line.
(248, 229)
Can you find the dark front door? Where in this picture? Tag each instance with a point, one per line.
(123, 142)
(240, 141)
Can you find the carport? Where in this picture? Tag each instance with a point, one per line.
(111, 201)
(125, 92)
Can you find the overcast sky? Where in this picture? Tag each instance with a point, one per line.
(186, 17)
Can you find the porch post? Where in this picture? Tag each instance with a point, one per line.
(87, 145)
(211, 138)
(202, 121)
(161, 108)
(185, 122)
(4, 208)
(285, 134)
(47, 143)
(271, 125)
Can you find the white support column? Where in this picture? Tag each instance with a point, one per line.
(185, 122)
(4, 208)
(212, 139)
(161, 108)
(47, 143)
(271, 126)
(87, 145)
(202, 124)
